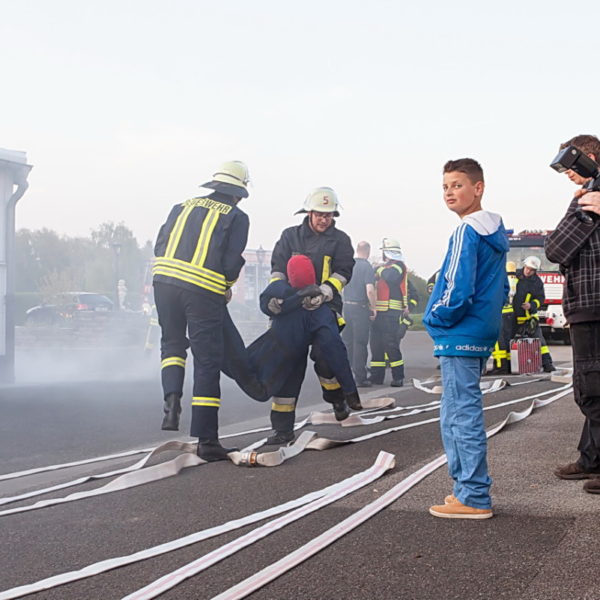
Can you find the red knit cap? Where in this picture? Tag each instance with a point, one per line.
(300, 271)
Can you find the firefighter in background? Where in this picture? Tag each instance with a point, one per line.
(501, 352)
(198, 258)
(431, 282)
(528, 298)
(395, 294)
(331, 253)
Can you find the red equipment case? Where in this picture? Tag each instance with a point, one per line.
(525, 356)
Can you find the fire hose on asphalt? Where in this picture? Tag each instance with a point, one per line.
(270, 573)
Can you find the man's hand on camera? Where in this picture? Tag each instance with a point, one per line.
(312, 303)
(590, 202)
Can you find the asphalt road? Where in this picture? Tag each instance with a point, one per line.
(400, 553)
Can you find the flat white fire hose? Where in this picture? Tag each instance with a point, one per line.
(383, 463)
(261, 578)
(247, 457)
(315, 443)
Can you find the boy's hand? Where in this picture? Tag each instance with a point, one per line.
(312, 303)
(590, 201)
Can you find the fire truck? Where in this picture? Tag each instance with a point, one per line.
(552, 318)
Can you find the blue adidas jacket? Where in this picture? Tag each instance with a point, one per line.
(465, 308)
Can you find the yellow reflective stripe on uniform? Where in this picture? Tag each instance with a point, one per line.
(377, 363)
(545, 350)
(336, 283)
(177, 230)
(413, 302)
(397, 267)
(172, 361)
(341, 321)
(379, 271)
(204, 238)
(326, 268)
(176, 263)
(283, 405)
(507, 309)
(330, 386)
(396, 305)
(397, 363)
(200, 282)
(537, 302)
(206, 401)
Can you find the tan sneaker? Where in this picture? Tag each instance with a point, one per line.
(451, 499)
(458, 510)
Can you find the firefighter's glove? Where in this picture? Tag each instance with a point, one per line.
(312, 303)
(309, 290)
(327, 292)
(274, 305)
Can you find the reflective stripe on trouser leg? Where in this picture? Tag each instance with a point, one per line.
(377, 364)
(283, 413)
(172, 373)
(332, 390)
(205, 318)
(170, 308)
(397, 369)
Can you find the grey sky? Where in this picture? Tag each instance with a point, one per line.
(124, 107)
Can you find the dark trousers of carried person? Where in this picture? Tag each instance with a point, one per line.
(192, 319)
(356, 337)
(585, 340)
(274, 366)
(386, 334)
(501, 351)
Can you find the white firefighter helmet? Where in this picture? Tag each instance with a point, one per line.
(533, 262)
(391, 249)
(321, 199)
(230, 178)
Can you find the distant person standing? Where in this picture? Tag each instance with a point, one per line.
(198, 258)
(463, 318)
(359, 311)
(528, 298)
(395, 296)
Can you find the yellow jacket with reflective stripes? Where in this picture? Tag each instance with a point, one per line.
(200, 245)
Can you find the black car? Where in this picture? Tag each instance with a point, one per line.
(67, 306)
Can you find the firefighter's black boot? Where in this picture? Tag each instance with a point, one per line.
(212, 451)
(353, 401)
(280, 438)
(341, 410)
(397, 382)
(172, 410)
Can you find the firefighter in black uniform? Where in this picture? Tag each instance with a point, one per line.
(395, 296)
(332, 255)
(198, 258)
(529, 296)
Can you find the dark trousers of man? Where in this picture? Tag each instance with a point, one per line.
(201, 314)
(356, 337)
(385, 343)
(585, 340)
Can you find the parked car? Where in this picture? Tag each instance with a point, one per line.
(66, 306)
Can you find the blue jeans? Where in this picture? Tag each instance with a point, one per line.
(463, 433)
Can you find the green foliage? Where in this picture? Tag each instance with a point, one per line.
(421, 287)
(48, 263)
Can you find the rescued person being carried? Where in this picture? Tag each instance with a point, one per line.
(274, 365)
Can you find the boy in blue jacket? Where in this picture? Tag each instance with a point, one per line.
(463, 318)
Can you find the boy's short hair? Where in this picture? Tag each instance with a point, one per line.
(470, 167)
(589, 144)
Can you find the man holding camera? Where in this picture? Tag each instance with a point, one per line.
(575, 245)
